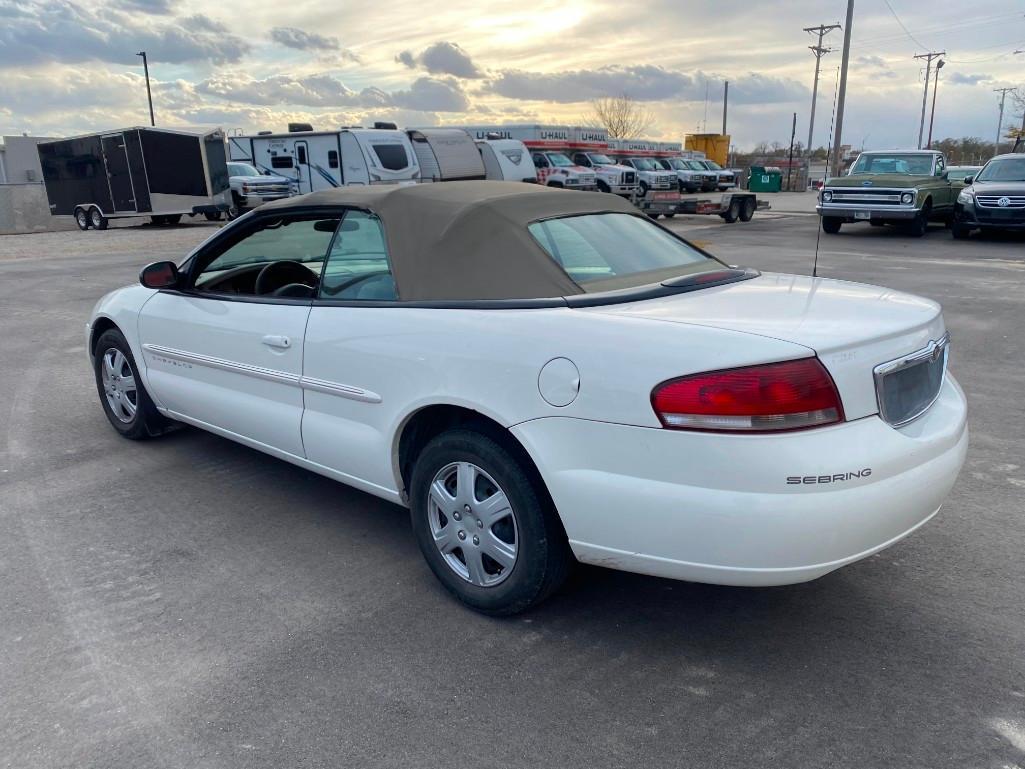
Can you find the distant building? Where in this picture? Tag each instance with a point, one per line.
(19, 160)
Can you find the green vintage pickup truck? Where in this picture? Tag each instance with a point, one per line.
(907, 187)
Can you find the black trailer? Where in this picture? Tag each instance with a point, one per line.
(157, 172)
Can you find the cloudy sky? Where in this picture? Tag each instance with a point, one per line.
(67, 67)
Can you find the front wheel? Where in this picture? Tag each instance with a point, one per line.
(125, 401)
(920, 224)
(831, 224)
(485, 524)
(642, 189)
(959, 231)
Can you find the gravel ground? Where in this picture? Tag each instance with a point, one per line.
(192, 603)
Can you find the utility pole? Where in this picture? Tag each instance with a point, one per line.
(725, 103)
(843, 86)
(819, 52)
(149, 94)
(925, 96)
(935, 85)
(790, 165)
(1000, 121)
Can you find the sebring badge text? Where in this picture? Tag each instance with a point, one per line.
(835, 478)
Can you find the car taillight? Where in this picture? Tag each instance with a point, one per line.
(776, 396)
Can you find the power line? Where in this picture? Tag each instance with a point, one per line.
(822, 30)
(906, 32)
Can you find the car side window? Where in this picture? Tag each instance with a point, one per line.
(940, 167)
(540, 161)
(357, 266)
(277, 256)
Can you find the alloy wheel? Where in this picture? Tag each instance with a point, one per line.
(473, 524)
(119, 385)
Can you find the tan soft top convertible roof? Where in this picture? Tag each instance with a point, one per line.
(467, 240)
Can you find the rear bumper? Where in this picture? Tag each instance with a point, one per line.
(726, 509)
(857, 213)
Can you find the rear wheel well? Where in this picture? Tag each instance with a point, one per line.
(101, 326)
(428, 423)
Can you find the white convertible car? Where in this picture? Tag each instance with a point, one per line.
(542, 375)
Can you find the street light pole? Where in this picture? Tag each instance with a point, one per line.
(149, 94)
(932, 115)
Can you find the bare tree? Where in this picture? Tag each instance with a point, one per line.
(622, 116)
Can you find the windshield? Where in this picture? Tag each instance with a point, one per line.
(694, 165)
(893, 163)
(242, 169)
(713, 165)
(1006, 170)
(601, 160)
(676, 163)
(558, 159)
(645, 164)
(604, 252)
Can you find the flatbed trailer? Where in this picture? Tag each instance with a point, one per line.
(731, 206)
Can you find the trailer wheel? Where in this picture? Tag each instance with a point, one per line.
(669, 216)
(747, 210)
(213, 216)
(97, 219)
(733, 212)
(82, 219)
(172, 219)
(653, 216)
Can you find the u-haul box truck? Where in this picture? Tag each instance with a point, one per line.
(640, 155)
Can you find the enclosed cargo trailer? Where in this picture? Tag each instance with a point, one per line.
(156, 172)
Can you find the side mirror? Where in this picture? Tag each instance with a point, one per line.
(968, 180)
(159, 275)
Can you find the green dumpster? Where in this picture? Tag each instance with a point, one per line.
(765, 179)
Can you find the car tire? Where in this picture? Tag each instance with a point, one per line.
(669, 216)
(128, 407)
(82, 218)
(97, 220)
(831, 224)
(960, 232)
(920, 224)
(213, 216)
(529, 537)
(235, 211)
(747, 209)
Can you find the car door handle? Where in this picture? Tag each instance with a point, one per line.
(280, 342)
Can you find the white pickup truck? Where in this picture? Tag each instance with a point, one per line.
(612, 176)
(250, 188)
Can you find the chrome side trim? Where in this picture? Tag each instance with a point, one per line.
(282, 377)
(931, 351)
(209, 361)
(341, 390)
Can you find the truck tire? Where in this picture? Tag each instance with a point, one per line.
(747, 209)
(213, 216)
(642, 189)
(920, 224)
(603, 187)
(97, 219)
(831, 224)
(82, 218)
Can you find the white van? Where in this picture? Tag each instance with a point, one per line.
(446, 154)
(319, 160)
(507, 160)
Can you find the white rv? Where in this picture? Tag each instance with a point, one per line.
(318, 160)
(446, 154)
(507, 160)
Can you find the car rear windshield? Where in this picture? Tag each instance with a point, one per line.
(606, 252)
(912, 164)
(1009, 170)
(392, 156)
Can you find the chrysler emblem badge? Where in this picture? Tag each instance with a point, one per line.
(1004, 202)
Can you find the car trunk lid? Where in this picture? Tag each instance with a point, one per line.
(853, 328)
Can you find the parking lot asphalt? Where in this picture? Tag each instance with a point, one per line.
(189, 602)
